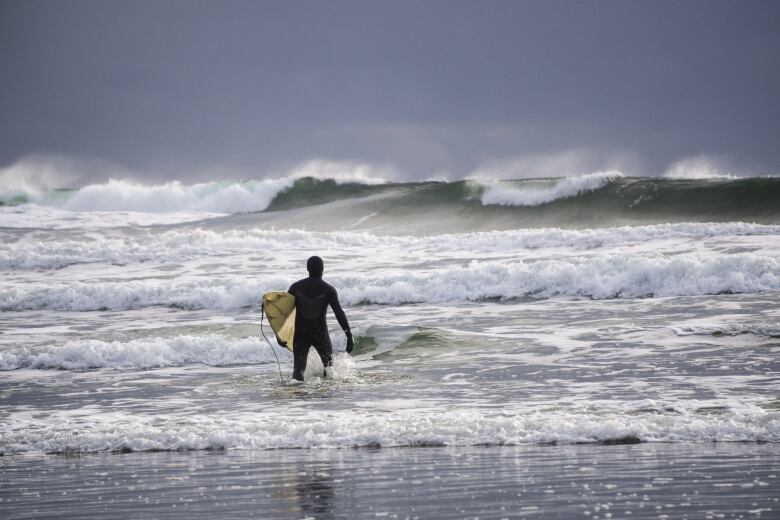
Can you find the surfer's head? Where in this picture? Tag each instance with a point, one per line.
(315, 266)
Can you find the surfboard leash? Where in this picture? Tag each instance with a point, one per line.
(262, 315)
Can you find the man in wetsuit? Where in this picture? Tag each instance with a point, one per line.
(312, 297)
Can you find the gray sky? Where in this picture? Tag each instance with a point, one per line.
(193, 89)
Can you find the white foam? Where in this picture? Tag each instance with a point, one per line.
(728, 329)
(505, 194)
(126, 203)
(58, 432)
(31, 252)
(215, 197)
(34, 175)
(41, 217)
(144, 353)
(601, 276)
(696, 168)
(607, 275)
(343, 172)
(343, 369)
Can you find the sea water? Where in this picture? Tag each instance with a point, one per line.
(504, 332)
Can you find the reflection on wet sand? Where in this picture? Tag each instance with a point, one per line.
(569, 481)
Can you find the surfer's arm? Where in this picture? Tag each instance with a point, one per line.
(339, 313)
(342, 319)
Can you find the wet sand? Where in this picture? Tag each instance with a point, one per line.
(717, 480)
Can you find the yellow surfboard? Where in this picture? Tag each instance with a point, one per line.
(279, 307)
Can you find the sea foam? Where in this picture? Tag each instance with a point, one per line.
(34, 251)
(215, 197)
(504, 194)
(768, 329)
(607, 275)
(25, 432)
(144, 353)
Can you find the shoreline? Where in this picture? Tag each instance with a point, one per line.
(644, 480)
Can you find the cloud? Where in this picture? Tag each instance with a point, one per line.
(521, 95)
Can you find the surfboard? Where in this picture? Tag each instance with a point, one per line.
(279, 307)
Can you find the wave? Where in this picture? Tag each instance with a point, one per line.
(509, 194)
(599, 196)
(170, 197)
(34, 179)
(214, 197)
(178, 245)
(145, 353)
(599, 276)
(26, 432)
(596, 200)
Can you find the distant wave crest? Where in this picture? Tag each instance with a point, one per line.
(507, 194)
(588, 200)
(697, 168)
(215, 197)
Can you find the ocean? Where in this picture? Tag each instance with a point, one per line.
(597, 346)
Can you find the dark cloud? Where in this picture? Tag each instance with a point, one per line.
(183, 87)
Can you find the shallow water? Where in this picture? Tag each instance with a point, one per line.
(537, 371)
(575, 481)
(146, 339)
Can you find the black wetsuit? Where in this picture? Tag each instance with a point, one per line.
(312, 297)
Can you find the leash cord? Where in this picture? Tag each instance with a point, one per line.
(262, 315)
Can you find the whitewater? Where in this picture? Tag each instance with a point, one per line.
(584, 315)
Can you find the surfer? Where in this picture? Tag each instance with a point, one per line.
(312, 297)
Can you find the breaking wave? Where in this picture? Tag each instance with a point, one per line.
(509, 194)
(213, 197)
(178, 245)
(25, 432)
(596, 198)
(597, 276)
(145, 353)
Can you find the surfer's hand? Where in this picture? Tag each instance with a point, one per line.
(350, 344)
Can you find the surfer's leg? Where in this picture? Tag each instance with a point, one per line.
(325, 350)
(300, 356)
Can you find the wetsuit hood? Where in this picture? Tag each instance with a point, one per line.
(315, 266)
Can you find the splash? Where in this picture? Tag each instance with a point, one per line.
(700, 167)
(503, 194)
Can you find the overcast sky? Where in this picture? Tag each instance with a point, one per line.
(190, 89)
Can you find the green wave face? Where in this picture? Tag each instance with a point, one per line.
(309, 191)
(52, 197)
(461, 205)
(13, 200)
